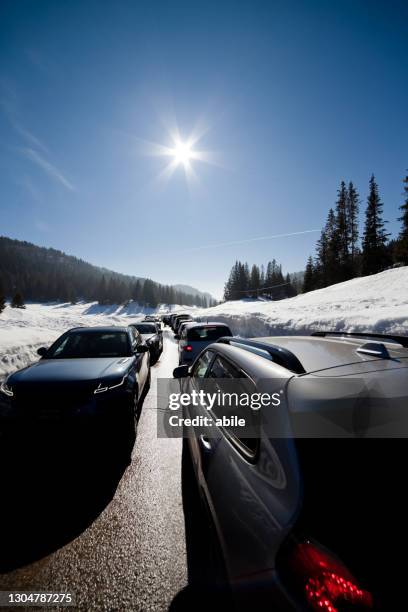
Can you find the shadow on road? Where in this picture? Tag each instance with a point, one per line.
(206, 589)
(52, 489)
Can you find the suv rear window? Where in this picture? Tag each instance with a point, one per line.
(207, 333)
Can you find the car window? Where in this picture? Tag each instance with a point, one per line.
(146, 328)
(226, 371)
(201, 365)
(90, 344)
(223, 369)
(207, 334)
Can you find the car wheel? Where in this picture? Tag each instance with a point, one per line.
(125, 433)
(147, 383)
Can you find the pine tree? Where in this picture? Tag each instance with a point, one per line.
(327, 270)
(150, 293)
(309, 279)
(262, 278)
(321, 265)
(353, 202)
(102, 291)
(290, 290)
(17, 301)
(255, 279)
(343, 232)
(232, 283)
(374, 256)
(136, 291)
(402, 245)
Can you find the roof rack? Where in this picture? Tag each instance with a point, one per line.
(399, 339)
(279, 355)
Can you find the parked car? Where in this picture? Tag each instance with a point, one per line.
(196, 336)
(152, 337)
(179, 320)
(93, 376)
(174, 318)
(182, 326)
(151, 319)
(154, 320)
(302, 523)
(166, 319)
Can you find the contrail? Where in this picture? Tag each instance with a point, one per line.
(221, 244)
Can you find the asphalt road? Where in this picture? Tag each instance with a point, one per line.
(114, 538)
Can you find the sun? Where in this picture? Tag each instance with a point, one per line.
(182, 153)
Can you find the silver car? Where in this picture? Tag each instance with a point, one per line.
(196, 336)
(308, 515)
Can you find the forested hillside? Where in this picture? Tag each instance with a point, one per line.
(42, 274)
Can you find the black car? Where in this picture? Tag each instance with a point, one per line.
(166, 319)
(92, 376)
(178, 319)
(152, 336)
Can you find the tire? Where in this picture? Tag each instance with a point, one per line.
(147, 383)
(125, 431)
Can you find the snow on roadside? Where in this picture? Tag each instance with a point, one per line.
(377, 303)
(23, 331)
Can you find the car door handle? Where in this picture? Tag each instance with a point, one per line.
(205, 442)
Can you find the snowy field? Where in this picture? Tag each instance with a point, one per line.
(376, 303)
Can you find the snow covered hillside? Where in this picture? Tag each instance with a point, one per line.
(376, 303)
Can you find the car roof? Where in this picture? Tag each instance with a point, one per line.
(143, 323)
(315, 353)
(300, 355)
(208, 324)
(101, 328)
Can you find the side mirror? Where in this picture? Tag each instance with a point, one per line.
(42, 351)
(181, 371)
(142, 348)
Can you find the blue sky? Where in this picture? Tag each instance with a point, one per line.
(288, 97)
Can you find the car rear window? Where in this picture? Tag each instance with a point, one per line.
(145, 328)
(207, 333)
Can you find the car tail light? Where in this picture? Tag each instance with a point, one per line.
(188, 348)
(325, 582)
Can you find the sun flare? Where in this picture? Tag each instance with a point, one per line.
(182, 153)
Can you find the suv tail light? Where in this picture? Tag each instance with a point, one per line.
(323, 580)
(188, 348)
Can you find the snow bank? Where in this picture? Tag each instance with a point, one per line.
(23, 331)
(377, 303)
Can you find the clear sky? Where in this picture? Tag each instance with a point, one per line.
(287, 97)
